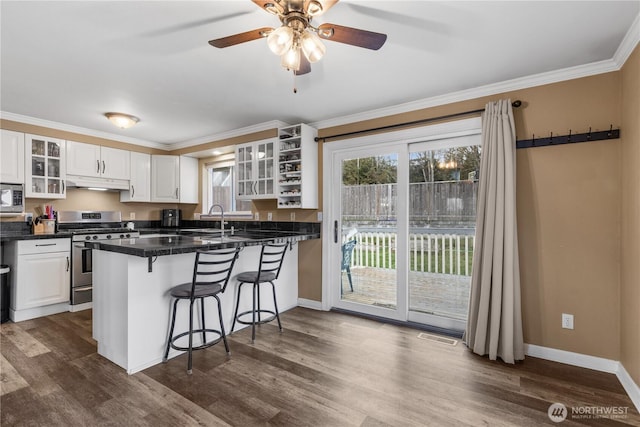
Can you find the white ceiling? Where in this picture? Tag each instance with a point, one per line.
(70, 62)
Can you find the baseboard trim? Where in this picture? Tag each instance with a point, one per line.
(570, 358)
(629, 385)
(309, 303)
(590, 362)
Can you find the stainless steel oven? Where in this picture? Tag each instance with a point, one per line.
(81, 272)
(86, 226)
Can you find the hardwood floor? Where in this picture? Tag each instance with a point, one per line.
(325, 369)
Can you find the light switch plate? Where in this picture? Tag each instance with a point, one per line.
(319, 216)
(269, 216)
(257, 216)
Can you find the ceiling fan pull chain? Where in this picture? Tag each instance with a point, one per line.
(295, 89)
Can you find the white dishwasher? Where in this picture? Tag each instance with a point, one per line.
(40, 277)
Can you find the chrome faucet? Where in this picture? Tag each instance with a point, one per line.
(221, 216)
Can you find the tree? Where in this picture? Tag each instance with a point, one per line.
(444, 165)
(369, 170)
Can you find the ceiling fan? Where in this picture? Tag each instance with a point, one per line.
(296, 41)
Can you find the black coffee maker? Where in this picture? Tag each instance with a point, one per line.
(171, 218)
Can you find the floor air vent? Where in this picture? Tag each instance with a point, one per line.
(442, 340)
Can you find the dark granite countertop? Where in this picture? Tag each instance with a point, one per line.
(12, 231)
(204, 239)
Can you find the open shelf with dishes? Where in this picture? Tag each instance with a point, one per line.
(297, 167)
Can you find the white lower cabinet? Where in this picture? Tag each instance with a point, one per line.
(40, 277)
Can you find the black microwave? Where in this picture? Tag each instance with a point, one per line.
(12, 198)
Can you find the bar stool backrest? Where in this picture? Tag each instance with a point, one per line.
(271, 258)
(213, 268)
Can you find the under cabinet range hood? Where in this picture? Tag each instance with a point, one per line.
(76, 181)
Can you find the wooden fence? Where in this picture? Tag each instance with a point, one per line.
(446, 202)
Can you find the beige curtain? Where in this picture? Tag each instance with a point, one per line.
(494, 323)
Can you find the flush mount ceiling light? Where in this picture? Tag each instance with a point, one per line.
(123, 121)
(296, 41)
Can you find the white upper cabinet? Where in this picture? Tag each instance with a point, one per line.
(45, 167)
(95, 161)
(188, 180)
(174, 179)
(11, 157)
(140, 182)
(256, 170)
(165, 178)
(115, 163)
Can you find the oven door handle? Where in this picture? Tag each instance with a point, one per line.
(83, 288)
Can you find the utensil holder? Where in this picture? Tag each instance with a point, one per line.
(46, 226)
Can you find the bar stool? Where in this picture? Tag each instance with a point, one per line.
(271, 258)
(211, 273)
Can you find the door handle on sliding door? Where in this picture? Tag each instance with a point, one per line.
(335, 231)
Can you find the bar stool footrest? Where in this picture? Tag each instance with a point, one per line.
(198, 347)
(258, 322)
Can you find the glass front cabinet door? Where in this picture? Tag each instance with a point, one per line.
(255, 166)
(45, 172)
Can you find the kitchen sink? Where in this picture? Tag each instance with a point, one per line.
(212, 239)
(207, 231)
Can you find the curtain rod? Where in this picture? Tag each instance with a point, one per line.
(515, 104)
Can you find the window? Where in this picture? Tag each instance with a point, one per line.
(220, 189)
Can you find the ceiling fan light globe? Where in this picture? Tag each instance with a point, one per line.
(291, 60)
(312, 46)
(280, 40)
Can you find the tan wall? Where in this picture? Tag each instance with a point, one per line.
(568, 211)
(630, 269)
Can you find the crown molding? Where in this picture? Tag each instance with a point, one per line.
(540, 79)
(628, 44)
(273, 124)
(83, 131)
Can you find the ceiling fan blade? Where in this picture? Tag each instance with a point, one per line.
(352, 36)
(305, 66)
(240, 38)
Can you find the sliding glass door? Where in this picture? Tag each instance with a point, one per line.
(443, 185)
(402, 219)
(366, 227)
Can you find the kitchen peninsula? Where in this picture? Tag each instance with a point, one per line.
(132, 277)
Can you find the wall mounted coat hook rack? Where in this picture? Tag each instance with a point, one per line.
(568, 139)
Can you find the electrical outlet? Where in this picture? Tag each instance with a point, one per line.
(257, 216)
(132, 215)
(567, 321)
(293, 216)
(319, 216)
(28, 217)
(269, 216)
